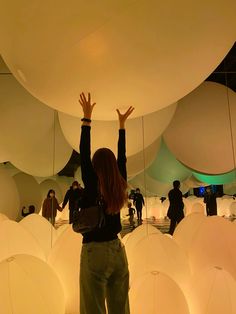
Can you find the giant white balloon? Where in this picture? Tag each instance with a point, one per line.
(186, 230)
(152, 292)
(30, 131)
(121, 51)
(140, 132)
(14, 239)
(156, 252)
(138, 234)
(213, 245)
(212, 291)
(42, 230)
(65, 259)
(200, 129)
(166, 168)
(29, 285)
(9, 200)
(29, 191)
(152, 187)
(140, 161)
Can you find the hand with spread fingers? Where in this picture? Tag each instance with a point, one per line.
(86, 105)
(124, 117)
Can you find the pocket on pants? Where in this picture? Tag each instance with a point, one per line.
(97, 258)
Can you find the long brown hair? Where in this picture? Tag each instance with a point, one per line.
(111, 184)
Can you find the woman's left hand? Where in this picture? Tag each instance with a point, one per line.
(124, 117)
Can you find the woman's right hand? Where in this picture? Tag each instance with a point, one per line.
(124, 117)
(86, 105)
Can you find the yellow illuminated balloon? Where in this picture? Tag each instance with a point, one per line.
(9, 200)
(29, 285)
(155, 293)
(15, 239)
(65, 260)
(200, 129)
(124, 52)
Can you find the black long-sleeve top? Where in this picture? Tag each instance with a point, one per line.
(112, 221)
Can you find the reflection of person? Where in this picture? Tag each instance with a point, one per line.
(131, 214)
(210, 201)
(73, 195)
(138, 203)
(50, 207)
(176, 208)
(104, 269)
(25, 212)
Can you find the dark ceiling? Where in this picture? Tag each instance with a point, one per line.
(225, 73)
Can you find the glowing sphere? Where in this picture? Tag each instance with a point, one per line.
(216, 179)
(29, 191)
(125, 238)
(138, 234)
(198, 208)
(140, 132)
(166, 168)
(213, 291)
(122, 45)
(3, 217)
(65, 260)
(230, 188)
(49, 184)
(224, 206)
(157, 252)
(14, 239)
(29, 285)
(151, 294)
(153, 187)
(143, 159)
(192, 182)
(232, 208)
(154, 208)
(186, 230)
(29, 130)
(213, 245)
(42, 230)
(9, 200)
(194, 123)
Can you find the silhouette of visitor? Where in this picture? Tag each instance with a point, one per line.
(138, 203)
(210, 201)
(176, 208)
(73, 195)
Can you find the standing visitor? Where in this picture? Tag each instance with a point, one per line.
(104, 271)
(176, 208)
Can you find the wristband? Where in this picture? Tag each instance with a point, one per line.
(86, 120)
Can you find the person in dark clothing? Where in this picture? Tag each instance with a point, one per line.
(104, 273)
(210, 201)
(31, 210)
(176, 209)
(138, 203)
(131, 215)
(50, 207)
(73, 195)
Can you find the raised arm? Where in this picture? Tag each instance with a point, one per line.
(88, 174)
(121, 158)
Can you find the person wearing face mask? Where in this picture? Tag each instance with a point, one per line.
(73, 195)
(50, 207)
